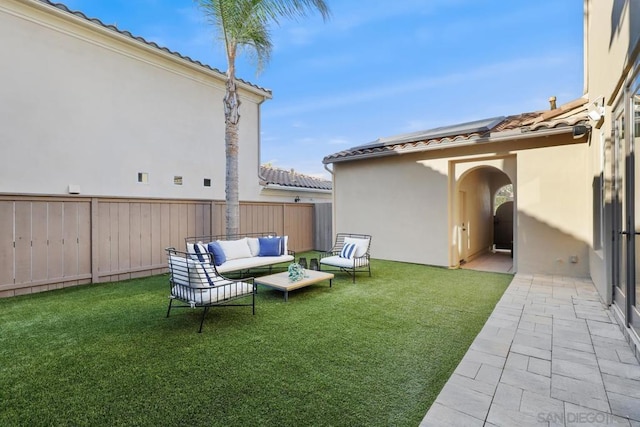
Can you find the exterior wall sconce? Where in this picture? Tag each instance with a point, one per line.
(297, 199)
(579, 131)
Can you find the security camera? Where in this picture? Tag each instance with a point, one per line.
(595, 115)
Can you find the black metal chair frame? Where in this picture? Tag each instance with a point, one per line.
(360, 264)
(183, 290)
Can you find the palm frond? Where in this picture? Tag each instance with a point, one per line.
(245, 24)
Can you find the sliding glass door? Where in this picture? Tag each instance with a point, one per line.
(621, 216)
(626, 207)
(633, 294)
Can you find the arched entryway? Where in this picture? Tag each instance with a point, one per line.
(478, 214)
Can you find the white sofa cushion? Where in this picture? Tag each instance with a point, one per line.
(234, 249)
(253, 262)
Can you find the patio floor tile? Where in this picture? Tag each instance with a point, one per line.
(580, 392)
(473, 384)
(577, 370)
(624, 406)
(527, 381)
(539, 366)
(517, 361)
(624, 370)
(440, 415)
(476, 404)
(620, 385)
(508, 396)
(501, 416)
(537, 405)
(605, 330)
(484, 358)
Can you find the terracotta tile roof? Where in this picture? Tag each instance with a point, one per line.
(291, 178)
(567, 115)
(79, 14)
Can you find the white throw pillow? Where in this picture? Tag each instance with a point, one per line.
(234, 249)
(361, 245)
(254, 245)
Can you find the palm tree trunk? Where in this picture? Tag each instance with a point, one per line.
(232, 117)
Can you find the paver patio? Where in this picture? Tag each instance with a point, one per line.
(550, 354)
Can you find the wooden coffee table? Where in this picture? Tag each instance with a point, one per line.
(281, 281)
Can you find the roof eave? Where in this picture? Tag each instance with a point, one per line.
(504, 136)
(127, 37)
(270, 186)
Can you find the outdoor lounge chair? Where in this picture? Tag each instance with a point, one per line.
(350, 253)
(195, 282)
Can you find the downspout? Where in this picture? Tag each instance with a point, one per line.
(261, 178)
(333, 197)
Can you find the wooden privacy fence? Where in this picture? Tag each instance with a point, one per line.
(54, 242)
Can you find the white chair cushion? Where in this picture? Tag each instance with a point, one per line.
(212, 295)
(336, 261)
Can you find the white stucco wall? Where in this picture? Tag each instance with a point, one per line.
(553, 210)
(86, 106)
(400, 202)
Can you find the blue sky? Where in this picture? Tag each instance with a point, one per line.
(379, 68)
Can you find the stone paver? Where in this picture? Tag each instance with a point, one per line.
(551, 354)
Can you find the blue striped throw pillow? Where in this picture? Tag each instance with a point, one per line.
(200, 250)
(348, 250)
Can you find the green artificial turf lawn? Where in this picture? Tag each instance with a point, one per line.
(373, 353)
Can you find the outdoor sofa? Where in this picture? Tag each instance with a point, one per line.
(243, 252)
